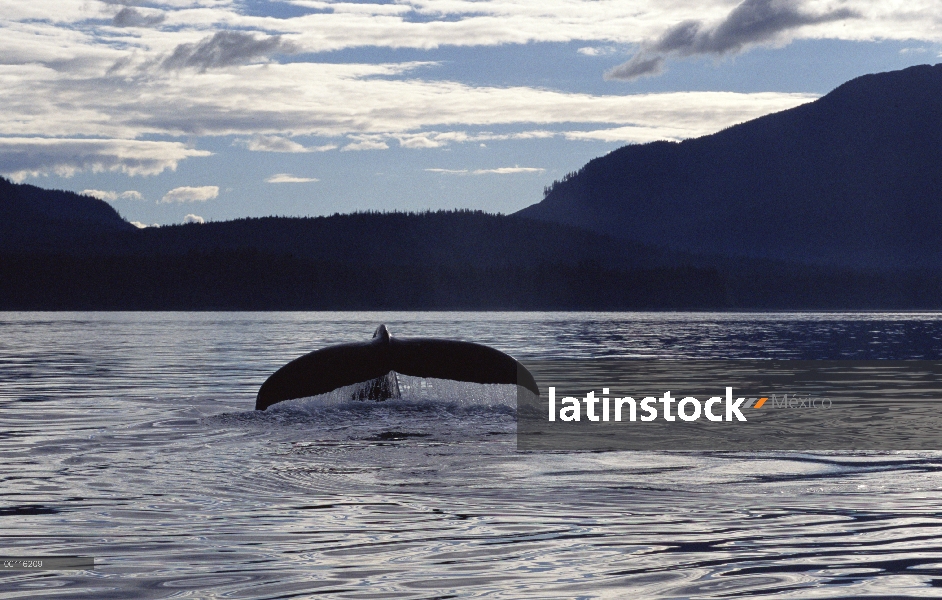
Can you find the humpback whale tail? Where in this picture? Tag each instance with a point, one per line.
(376, 363)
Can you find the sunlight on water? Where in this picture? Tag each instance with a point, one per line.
(131, 437)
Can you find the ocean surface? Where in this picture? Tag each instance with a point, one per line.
(131, 438)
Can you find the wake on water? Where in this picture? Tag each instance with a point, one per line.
(426, 407)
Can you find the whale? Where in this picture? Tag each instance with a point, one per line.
(374, 365)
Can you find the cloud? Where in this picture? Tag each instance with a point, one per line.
(365, 145)
(750, 23)
(640, 64)
(287, 178)
(508, 171)
(101, 195)
(361, 102)
(270, 107)
(427, 24)
(24, 157)
(633, 134)
(126, 2)
(498, 171)
(227, 49)
(274, 143)
(630, 134)
(112, 196)
(131, 17)
(194, 219)
(419, 141)
(436, 139)
(595, 51)
(190, 194)
(449, 171)
(139, 225)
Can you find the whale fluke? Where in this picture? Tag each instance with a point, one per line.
(338, 366)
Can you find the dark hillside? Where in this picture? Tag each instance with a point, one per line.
(447, 260)
(852, 179)
(33, 218)
(429, 238)
(68, 252)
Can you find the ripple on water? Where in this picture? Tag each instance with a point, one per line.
(130, 438)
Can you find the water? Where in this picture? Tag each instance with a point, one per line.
(131, 437)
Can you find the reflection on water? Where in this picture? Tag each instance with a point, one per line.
(130, 438)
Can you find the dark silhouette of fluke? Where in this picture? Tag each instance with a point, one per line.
(376, 363)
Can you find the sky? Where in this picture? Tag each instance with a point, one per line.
(208, 110)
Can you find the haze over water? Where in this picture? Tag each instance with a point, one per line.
(131, 437)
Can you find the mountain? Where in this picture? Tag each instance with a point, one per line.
(448, 238)
(63, 251)
(33, 217)
(853, 179)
